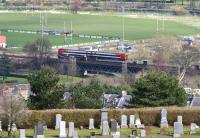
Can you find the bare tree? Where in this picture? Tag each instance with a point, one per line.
(11, 106)
(76, 5)
(185, 58)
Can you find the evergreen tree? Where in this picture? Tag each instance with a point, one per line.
(88, 96)
(47, 93)
(157, 89)
(5, 66)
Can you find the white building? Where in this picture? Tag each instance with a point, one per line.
(2, 41)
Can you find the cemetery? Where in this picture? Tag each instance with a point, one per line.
(106, 123)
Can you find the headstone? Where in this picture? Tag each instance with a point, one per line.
(105, 128)
(124, 121)
(134, 133)
(143, 133)
(92, 134)
(75, 134)
(164, 122)
(116, 135)
(178, 129)
(58, 119)
(138, 123)
(71, 129)
(104, 116)
(62, 127)
(39, 130)
(45, 127)
(14, 127)
(180, 119)
(0, 126)
(132, 121)
(113, 126)
(22, 133)
(193, 127)
(91, 123)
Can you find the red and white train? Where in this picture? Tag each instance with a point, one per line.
(92, 55)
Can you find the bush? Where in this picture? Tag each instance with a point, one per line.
(156, 89)
(179, 10)
(148, 116)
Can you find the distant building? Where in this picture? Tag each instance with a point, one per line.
(23, 90)
(2, 41)
(117, 101)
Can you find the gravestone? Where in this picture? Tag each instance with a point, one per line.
(39, 130)
(124, 121)
(45, 127)
(58, 119)
(71, 129)
(134, 133)
(62, 127)
(143, 133)
(92, 134)
(116, 135)
(138, 123)
(22, 133)
(180, 120)
(164, 122)
(91, 123)
(193, 127)
(104, 116)
(105, 128)
(14, 127)
(75, 134)
(0, 126)
(113, 126)
(177, 129)
(132, 121)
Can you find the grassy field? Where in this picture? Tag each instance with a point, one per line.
(124, 133)
(135, 28)
(63, 79)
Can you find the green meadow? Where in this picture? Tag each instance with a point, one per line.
(107, 25)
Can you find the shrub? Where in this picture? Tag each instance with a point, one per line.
(179, 10)
(148, 116)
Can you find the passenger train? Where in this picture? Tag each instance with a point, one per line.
(92, 55)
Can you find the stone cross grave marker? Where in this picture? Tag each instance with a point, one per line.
(58, 119)
(105, 128)
(22, 133)
(62, 127)
(164, 122)
(132, 121)
(71, 129)
(124, 121)
(91, 123)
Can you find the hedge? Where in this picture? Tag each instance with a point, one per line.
(148, 116)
